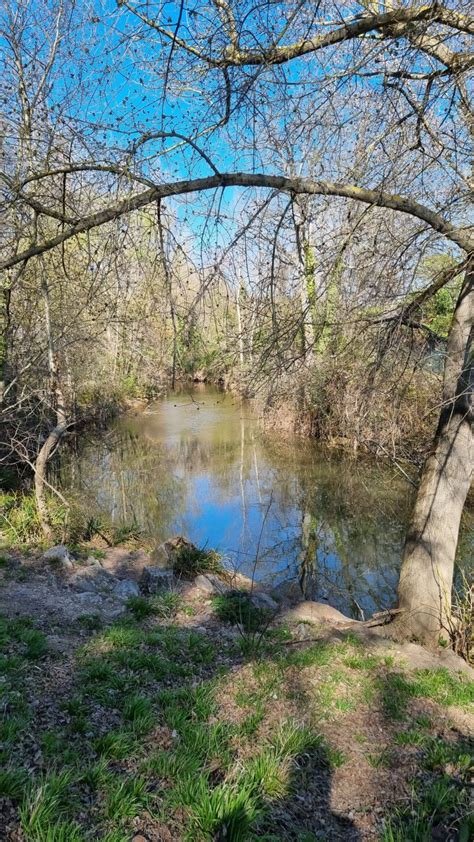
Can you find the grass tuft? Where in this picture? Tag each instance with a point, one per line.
(191, 561)
(13, 781)
(236, 607)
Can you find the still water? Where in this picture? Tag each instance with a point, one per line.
(197, 464)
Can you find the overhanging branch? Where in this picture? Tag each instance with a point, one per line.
(377, 197)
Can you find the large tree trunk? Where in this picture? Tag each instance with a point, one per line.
(426, 577)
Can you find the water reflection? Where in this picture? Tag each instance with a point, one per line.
(197, 464)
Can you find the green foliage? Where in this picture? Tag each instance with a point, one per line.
(33, 643)
(126, 797)
(438, 311)
(91, 622)
(13, 781)
(125, 533)
(20, 522)
(236, 607)
(319, 654)
(166, 605)
(19, 517)
(163, 605)
(116, 745)
(138, 711)
(224, 812)
(190, 561)
(444, 687)
(43, 813)
(140, 607)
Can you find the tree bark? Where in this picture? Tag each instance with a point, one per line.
(426, 577)
(41, 462)
(56, 434)
(4, 332)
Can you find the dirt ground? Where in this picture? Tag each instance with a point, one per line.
(370, 714)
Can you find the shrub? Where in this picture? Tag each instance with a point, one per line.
(237, 607)
(190, 561)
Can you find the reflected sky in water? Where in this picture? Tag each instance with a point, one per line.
(197, 464)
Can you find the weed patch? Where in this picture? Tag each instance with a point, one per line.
(191, 561)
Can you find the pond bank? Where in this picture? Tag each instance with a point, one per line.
(168, 722)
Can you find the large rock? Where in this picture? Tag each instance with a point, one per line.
(93, 579)
(287, 592)
(60, 555)
(126, 588)
(317, 612)
(211, 584)
(264, 600)
(156, 579)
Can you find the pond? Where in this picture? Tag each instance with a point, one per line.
(282, 510)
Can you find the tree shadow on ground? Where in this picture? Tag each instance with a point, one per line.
(145, 720)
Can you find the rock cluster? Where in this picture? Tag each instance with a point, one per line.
(92, 587)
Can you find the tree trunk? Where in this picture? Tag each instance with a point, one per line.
(56, 434)
(41, 462)
(426, 576)
(4, 326)
(239, 329)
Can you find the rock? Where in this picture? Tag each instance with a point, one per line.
(125, 588)
(94, 579)
(89, 599)
(91, 561)
(60, 555)
(211, 584)
(161, 556)
(287, 592)
(176, 543)
(156, 579)
(263, 600)
(317, 612)
(303, 631)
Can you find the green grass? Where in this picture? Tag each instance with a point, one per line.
(55, 744)
(226, 812)
(125, 533)
(361, 662)
(378, 759)
(45, 808)
(138, 712)
(318, 654)
(236, 607)
(32, 643)
(396, 690)
(164, 605)
(140, 730)
(19, 520)
(444, 687)
(91, 622)
(13, 781)
(126, 797)
(140, 607)
(116, 745)
(439, 796)
(191, 561)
